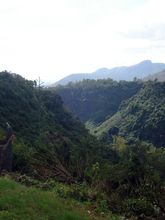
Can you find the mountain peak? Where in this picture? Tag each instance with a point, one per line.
(128, 73)
(146, 62)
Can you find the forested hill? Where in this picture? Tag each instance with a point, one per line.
(31, 110)
(44, 129)
(95, 100)
(142, 116)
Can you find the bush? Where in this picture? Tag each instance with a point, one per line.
(138, 206)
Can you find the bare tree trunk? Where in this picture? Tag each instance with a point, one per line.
(6, 155)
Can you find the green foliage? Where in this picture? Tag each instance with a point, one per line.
(141, 117)
(135, 184)
(51, 142)
(88, 195)
(22, 154)
(96, 100)
(120, 145)
(18, 105)
(138, 206)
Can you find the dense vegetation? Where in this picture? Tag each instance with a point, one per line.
(46, 132)
(129, 109)
(95, 101)
(122, 176)
(141, 117)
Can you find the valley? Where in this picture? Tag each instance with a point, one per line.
(97, 144)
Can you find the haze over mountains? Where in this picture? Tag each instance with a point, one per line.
(128, 73)
(160, 76)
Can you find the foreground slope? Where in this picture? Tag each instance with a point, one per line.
(139, 70)
(142, 116)
(19, 202)
(93, 100)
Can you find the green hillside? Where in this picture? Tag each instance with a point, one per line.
(31, 110)
(95, 100)
(142, 116)
(46, 132)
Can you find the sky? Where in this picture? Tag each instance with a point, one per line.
(54, 38)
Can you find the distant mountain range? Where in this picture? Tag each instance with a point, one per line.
(128, 73)
(158, 76)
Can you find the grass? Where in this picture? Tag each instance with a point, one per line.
(105, 126)
(18, 202)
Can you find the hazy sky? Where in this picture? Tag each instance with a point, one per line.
(53, 38)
